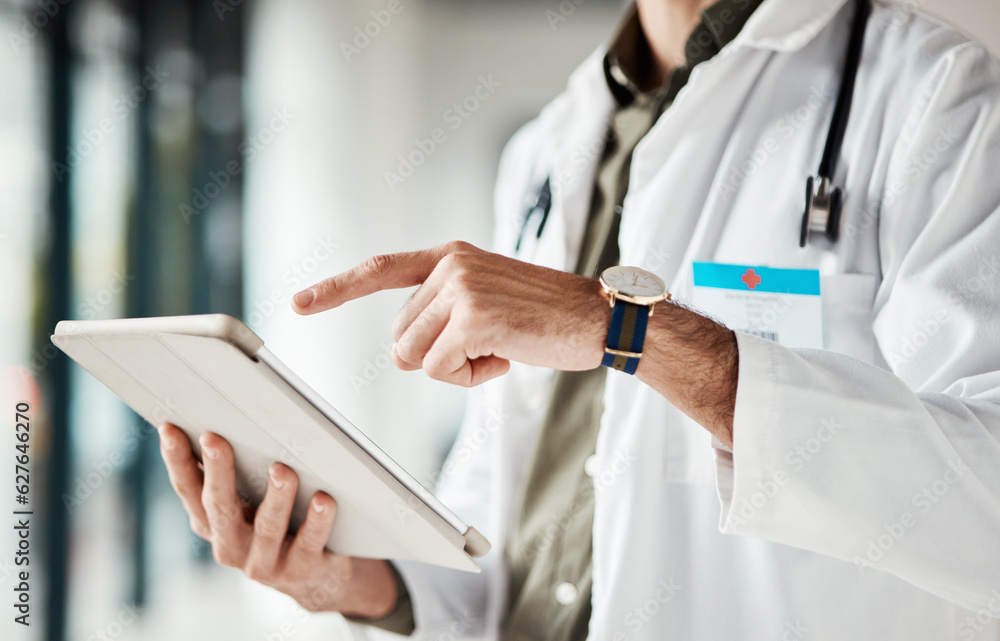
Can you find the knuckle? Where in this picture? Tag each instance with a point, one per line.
(397, 328)
(225, 556)
(406, 351)
(434, 367)
(457, 247)
(222, 517)
(313, 538)
(452, 263)
(266, 528)
(199, 529)
(377, 266)
(310, 603)
(255, 572)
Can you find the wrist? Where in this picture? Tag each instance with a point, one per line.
(597, 326)
(632, 294)
(371, 591)
(579, 332)
(693, 362)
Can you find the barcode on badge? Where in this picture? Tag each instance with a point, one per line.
(769, 335)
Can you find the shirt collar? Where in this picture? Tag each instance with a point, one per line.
(629, 57)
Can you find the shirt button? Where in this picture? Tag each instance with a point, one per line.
(590, 465)
(565, 593)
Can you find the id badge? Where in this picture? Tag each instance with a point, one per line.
(782, 305)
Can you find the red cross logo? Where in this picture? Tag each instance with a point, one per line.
(751, 279)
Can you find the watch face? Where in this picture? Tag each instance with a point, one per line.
(632, 281)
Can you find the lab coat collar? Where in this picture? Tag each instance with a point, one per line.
(575, 138)
(787, 25)
(778, 25)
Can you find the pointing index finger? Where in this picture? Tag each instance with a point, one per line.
(387, 271)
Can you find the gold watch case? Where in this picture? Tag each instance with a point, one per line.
(633, 285)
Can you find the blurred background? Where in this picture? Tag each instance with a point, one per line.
(175, 157)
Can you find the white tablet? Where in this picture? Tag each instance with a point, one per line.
(211, 373)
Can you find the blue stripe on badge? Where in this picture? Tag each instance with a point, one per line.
(755, 278)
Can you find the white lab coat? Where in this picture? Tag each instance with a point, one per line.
(862, 497)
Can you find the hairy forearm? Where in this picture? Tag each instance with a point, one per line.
(693, 362)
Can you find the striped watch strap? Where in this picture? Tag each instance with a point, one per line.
(626, 336)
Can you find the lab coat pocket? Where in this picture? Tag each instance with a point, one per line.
(847, 314)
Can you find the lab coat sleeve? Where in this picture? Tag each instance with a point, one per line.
(451, 603)
(897, 469)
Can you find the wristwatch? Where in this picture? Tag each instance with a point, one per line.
(632, 294)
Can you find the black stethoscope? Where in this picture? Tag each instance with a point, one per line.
(824, 203)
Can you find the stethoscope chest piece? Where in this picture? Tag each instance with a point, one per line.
(824, 203)
(823, 208)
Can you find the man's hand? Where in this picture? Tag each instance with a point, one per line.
(474, 312)
(260, 546)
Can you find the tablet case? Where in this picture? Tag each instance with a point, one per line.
(212, 373)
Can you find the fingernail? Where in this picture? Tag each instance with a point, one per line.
(305, 298)
(166, 442)
(319, 508)
(210, 452)
(274, 479)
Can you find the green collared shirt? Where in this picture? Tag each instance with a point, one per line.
(549, 553)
